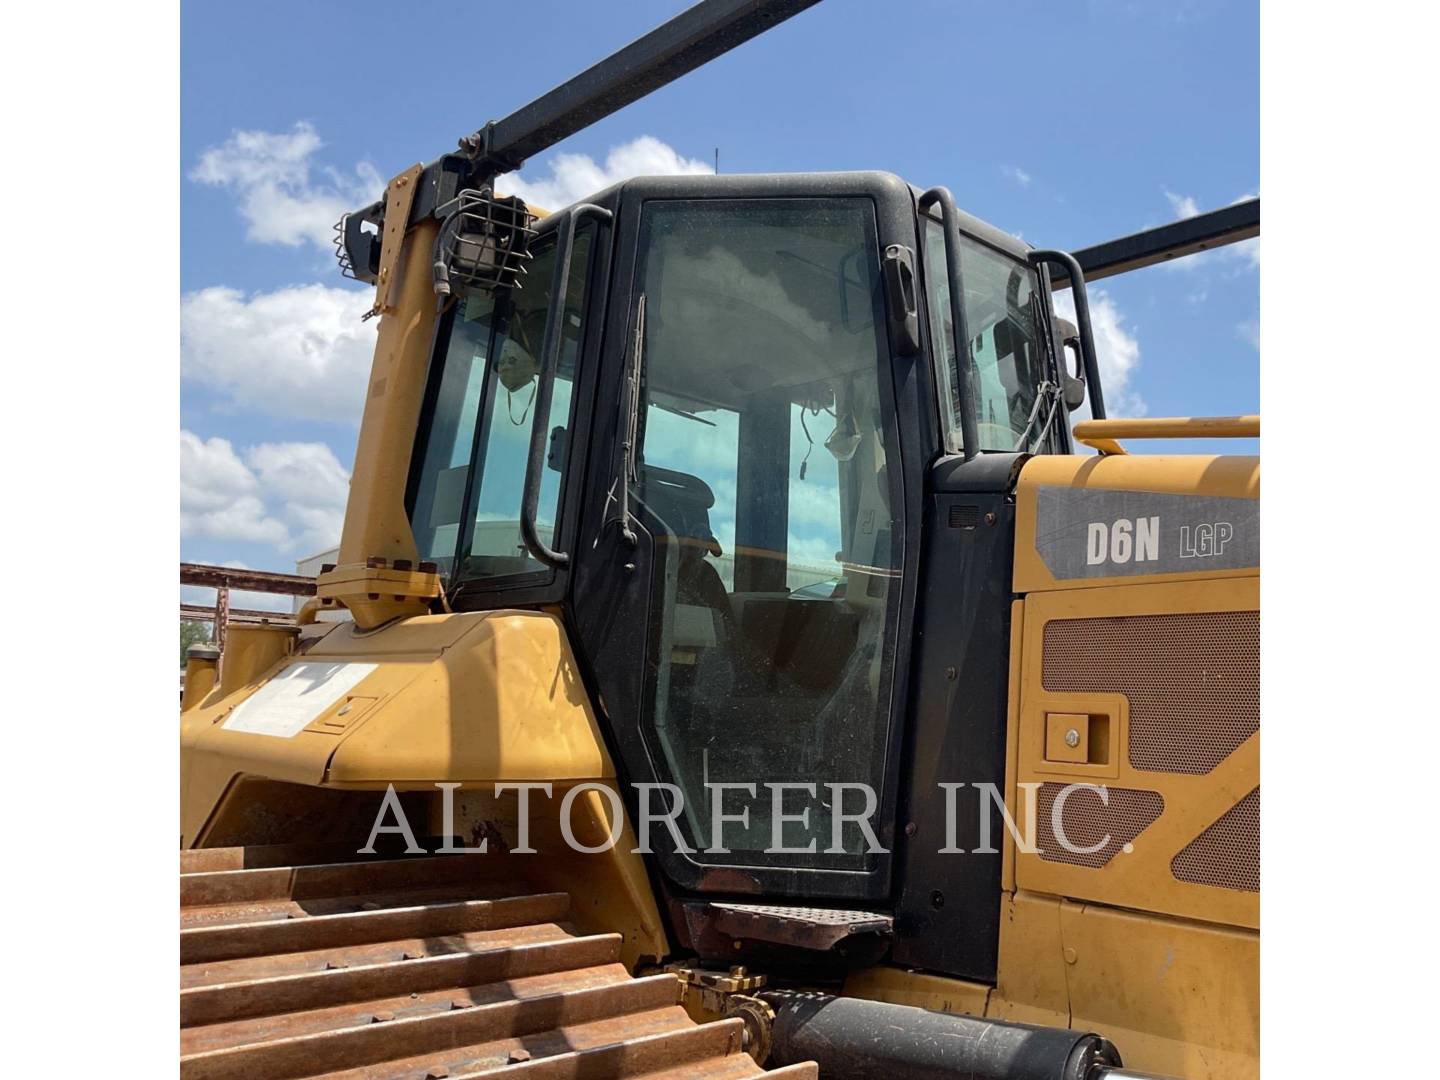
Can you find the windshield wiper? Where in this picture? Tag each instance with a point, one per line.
(1053, 391)
(630, 424)
(677, 411)
(1047, 392)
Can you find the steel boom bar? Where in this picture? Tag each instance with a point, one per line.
(694, 37)
(1228, 225)
(691, 39)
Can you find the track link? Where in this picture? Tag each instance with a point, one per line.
(416, 968)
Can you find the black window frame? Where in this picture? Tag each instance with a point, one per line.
(544, 584)
(613, 637)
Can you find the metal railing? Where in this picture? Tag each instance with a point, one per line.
(223, 580)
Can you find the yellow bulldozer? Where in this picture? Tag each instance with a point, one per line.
(745, 666)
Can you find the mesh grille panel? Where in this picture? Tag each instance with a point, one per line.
(1086, 820)
(1227, 854)
(1193, 680)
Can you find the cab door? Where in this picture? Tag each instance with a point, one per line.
(745, 589)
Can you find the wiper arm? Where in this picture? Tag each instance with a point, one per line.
(630, 423)
(1048, 392)
(677, 411)
(1052, 390)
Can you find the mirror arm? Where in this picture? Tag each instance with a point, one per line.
(549, 367)
(1082, 317)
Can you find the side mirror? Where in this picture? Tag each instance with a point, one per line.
(1072, 386)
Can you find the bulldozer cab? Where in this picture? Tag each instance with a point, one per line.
(740, 515)
(699, 422)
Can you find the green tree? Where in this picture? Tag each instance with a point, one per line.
(192, 632)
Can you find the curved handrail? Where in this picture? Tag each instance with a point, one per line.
(949, 221)
(549, 365)
(1103, 435)
(1088, 355)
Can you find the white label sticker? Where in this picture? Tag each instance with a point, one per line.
(295, 697)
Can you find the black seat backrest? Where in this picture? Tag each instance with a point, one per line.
(682, 502)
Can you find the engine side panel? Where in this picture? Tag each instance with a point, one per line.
(1139, 643)
(1140, 677)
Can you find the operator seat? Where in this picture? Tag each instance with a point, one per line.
(697, 651)
(682, 502)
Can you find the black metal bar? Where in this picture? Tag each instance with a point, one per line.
(549, 366)
(684, 43)
(950, 222)
(1203, 232)
(691, 39)
(1076, 275)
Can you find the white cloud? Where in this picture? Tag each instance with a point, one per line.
(220, 496)
(1184, 206)
(300, 351)
(311, 485)
(1019, 175)
(317, 528)
(574, 176)
(211, 476)
(270, 173)
(300, 472)
(243, 518)
(288, 495)
(1117, 347)
(1249, 330)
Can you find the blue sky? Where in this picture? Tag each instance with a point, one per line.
(1065, 123)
